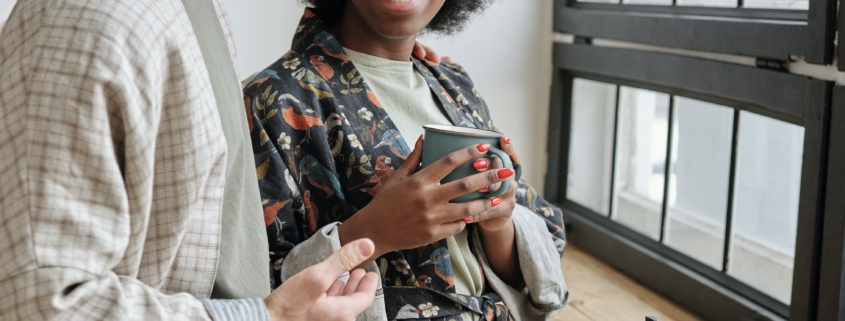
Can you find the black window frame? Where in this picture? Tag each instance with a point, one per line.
(707, 292)
(763, 33)
(831, 298)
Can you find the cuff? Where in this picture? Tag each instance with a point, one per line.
(240, 309)
(539, 261)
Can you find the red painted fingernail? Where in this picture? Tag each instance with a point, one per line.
(495, 201)
(484, 189)
(504, 173)
(467, 219)
(480, 164)
(506, 139)
(483, 147)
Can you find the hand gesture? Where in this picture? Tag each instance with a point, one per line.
(317, 294)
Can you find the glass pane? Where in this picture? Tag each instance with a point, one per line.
(640, 159)
(768, 181)
(708, 3)
(600, 1)
(698, 185)
(651, 2)
(778, 4)
(591, 144)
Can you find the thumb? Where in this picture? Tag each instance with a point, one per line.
(346, 259)
(412, 161)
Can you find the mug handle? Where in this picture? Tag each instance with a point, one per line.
(506, 161)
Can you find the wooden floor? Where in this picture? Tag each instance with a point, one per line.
(599, 293)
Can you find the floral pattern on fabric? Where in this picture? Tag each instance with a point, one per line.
(324, 146)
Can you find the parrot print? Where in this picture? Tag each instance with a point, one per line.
(324, 146)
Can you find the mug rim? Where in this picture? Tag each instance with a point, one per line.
(463, 131)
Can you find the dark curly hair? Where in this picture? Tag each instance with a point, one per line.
(451, 18)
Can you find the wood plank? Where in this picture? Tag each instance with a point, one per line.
(598, 292)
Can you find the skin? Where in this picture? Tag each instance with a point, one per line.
(372, 27)
(316, 294)
(369, 26)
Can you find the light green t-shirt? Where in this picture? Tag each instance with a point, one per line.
(406, 97)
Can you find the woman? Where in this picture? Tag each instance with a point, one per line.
(329, 123)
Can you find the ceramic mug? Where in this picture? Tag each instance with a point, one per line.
(441, 140)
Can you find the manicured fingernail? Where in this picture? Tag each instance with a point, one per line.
(506, 139)
(419, 140)
(483, 147)
(484, 189)
(467, 219)
(495, 201)
(480, 164)
(504, 173)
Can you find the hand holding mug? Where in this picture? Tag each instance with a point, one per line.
(498, 216)
(413, 208)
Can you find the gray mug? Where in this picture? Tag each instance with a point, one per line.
(441, 140)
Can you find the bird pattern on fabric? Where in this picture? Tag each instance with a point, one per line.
(442, 265)
(324, 146)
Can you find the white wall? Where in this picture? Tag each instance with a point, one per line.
(507, 51)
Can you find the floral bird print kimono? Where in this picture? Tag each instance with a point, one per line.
(324, 146)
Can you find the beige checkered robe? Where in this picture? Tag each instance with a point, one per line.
(111, 162)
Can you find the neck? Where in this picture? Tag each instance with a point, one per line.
(353, 33)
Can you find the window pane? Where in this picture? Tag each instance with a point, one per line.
(600, 1)
(591, 144)
(641, 156)
(708, 3)
(778, 4)
(698, 186)
(651, 2)
(768, 180)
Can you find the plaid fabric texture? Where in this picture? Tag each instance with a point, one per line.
(111, 163)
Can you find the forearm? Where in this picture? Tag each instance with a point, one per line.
(67, 293)
(350, 231)
(501, 252)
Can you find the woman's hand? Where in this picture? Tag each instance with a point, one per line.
(497, 217)
(413, 209)
(498, 235)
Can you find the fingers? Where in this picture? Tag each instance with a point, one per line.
(354, 279)
(336, 288)
(507, 147)
(446, 59)
(412, 162)
(424, 52)
(496, 163)
(495, 206)
(462, 212)
(473, 183)
(347, 258)
(452, 228)
(361, 298)
(419, 51)
(481, 164)
(448, 163)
